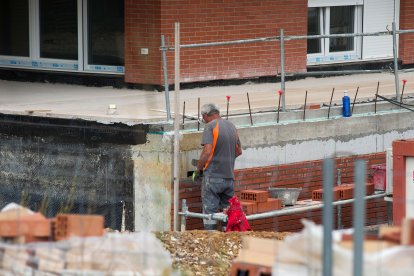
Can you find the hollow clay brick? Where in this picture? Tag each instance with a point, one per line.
(238, 268)
(68, 225)
(270, 205)
(249, 207)
(318, 195)
(254, 195)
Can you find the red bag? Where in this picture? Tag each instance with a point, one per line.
(236, 219)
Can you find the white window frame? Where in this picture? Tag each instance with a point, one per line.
(34, 60)
(325, 56)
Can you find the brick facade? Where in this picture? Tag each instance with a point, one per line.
(307, 175)
(209, 21)
(406, 53)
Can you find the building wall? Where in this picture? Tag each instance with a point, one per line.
(307, 175)
(210, 21)
(143, 30)
(406, 52)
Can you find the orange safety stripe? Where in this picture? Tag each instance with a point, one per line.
(215, 137)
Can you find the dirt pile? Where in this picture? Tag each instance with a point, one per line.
(200, 252)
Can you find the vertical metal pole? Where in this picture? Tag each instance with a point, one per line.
(339, 207)
(395, 52)
(359, 216)
(328, 180)
(166, 90)
(176, 122)
(282, 68)
(376, 98)
(184, 209)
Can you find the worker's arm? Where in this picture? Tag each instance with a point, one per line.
(204, 156)
(238, 148)
(238, 145)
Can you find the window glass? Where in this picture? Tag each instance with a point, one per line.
(314, 28)
(106, 32)
(58, 29)
(342, 22)
(14, 27)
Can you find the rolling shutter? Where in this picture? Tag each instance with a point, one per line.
(377, 15)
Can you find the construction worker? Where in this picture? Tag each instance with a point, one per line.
(221, 146)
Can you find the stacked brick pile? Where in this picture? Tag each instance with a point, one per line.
(342, 192)
(258, 201)
(23, 227)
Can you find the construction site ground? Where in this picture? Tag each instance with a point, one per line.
(200, 252)
(137, 106)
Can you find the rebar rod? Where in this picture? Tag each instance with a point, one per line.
(250, 110)
(304, 106)
(183, 113)
(353, 103)
(330, 102)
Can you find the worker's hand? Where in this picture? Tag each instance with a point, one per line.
(196, 175)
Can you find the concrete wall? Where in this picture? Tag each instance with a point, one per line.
(56, 165)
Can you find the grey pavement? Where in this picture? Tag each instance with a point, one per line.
(136, 106)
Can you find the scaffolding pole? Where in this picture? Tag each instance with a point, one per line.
(176, 123)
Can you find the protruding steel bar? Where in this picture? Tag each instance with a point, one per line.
(353, 103)
(304, 106)
(330, 102)
(183, 113)
(250, 110)
(376, 98)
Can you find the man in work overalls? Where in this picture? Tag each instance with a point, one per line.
(221, 146)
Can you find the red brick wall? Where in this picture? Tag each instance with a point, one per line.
(209, 21)
(406, 53)
(143, 30)
(307, 175)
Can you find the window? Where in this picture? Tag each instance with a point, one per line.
(58, 29)
(14, 28)
(69, 35)
(339, 19)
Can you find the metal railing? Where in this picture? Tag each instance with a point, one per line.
(281, 39)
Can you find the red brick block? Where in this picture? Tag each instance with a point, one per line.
(254, 195)
(346, 191)
(29, 226)
(249, 207)
(270, 205)
(318, 195)
(238, 268)
(68, 225)
(370, 188)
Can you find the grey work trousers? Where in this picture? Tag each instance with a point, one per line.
(215, 193)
